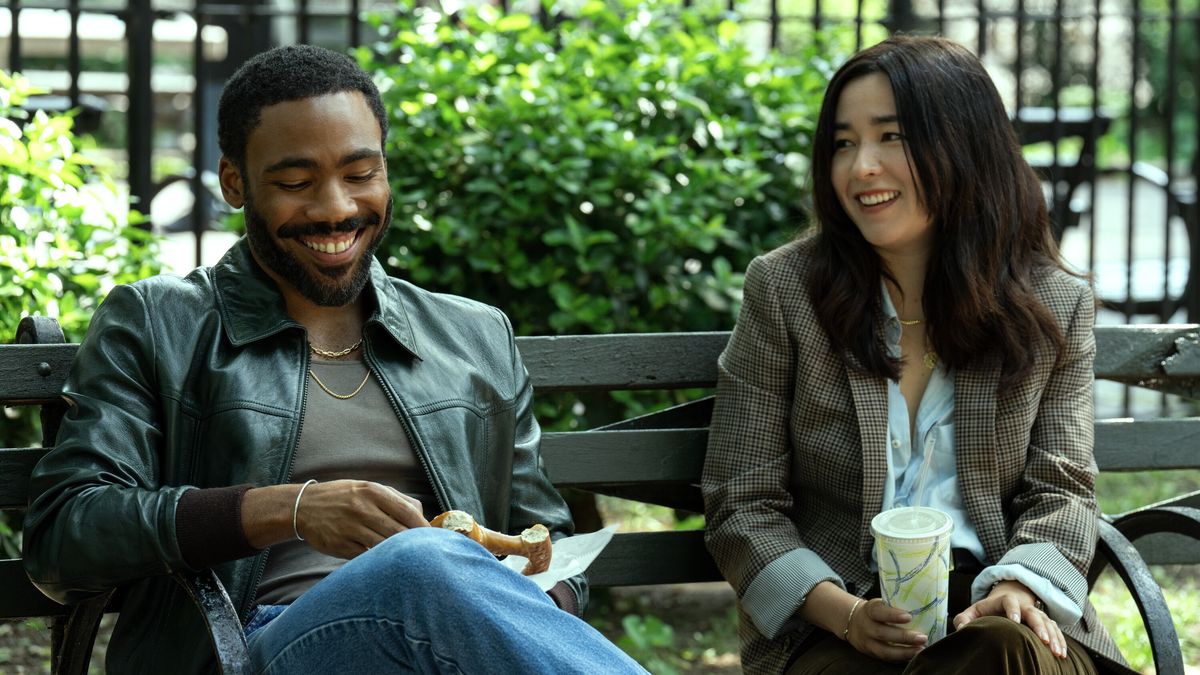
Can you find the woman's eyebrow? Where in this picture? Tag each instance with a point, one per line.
(875, 121)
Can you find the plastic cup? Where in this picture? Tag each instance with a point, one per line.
(912, 551)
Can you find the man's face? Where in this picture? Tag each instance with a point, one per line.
(316, 196)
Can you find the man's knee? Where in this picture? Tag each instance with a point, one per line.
(426, 555)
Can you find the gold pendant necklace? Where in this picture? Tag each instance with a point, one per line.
(930, 359)
(334, 355)
(336, 395)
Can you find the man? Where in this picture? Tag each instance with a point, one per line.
(292, 416)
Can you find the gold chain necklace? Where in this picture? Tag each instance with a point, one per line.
(336, 395)
(930, 358)
(334, 355)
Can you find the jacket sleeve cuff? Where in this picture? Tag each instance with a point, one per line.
(208, 526)
(1046, 572)
(564, 597)
(782, 586)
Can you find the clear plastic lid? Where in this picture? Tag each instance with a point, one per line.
(911, 522)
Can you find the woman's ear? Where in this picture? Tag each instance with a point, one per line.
(231, 183)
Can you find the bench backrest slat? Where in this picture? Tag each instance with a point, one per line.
(581, 459)
(33, 374)
(1132, 354)
(1139, 445)
(585, 459)
(15, 466)
(622, 362)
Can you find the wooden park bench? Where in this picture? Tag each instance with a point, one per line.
(657, 459)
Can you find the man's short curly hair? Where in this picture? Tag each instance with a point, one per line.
(289, 73)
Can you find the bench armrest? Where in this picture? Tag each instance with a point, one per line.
(74, 635)
(224, 627)
(1113, 548)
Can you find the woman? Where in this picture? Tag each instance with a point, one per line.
(927, 327)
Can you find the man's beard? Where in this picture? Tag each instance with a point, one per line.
(321, 289)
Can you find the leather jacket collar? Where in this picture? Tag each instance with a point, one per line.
(252, 308)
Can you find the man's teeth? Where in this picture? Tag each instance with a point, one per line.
(878, 198)
(336, 247)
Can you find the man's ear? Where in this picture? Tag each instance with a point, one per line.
(231, 183)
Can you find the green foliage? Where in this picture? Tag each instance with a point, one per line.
(613, 174)
(66, 232)
(650, 642)
(66, 236)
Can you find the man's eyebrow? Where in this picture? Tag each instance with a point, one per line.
(309, 163)
(359, 155)
(875, 121)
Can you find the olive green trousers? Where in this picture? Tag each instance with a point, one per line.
(992, 645)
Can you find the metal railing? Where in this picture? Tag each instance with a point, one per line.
(1119, 79)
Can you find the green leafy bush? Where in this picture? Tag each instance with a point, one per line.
(613, 174)
(66, 236)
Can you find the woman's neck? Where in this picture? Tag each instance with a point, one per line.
(907, 285)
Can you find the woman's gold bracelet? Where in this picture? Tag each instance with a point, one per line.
(846, 633)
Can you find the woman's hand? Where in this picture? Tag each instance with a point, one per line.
(877, 630)
(870, 626)
(1014, 600)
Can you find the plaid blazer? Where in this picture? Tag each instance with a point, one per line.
(797, 458)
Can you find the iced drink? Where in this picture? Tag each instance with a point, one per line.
(912, 550)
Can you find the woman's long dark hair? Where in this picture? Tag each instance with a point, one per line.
(991, 228)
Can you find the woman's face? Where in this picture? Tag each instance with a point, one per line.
(871, 173)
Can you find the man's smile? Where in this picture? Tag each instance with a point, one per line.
(333, 244)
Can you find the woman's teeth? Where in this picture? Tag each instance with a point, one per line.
(878, 198)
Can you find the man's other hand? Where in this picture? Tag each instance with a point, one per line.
(341, 518)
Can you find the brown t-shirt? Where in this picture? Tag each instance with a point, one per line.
(359, 438)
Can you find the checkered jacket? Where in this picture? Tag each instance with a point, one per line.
(797, 458)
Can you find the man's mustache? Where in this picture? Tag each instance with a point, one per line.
(326, 228)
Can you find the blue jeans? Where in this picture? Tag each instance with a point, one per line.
(427, 601)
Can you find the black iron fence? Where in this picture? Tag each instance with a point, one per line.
(1105, 93)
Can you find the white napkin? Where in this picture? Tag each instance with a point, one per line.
(572, 555)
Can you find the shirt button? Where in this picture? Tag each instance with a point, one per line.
(895, 443)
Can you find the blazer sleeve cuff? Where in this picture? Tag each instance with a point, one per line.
(1046, 572)
(781, 587)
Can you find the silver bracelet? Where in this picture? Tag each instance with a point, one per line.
(296, 508)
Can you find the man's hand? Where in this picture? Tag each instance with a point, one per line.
(1014, 600)
(877, 630)
(341, 518)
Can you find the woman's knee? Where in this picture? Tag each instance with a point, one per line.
(990, 644)
(998, 633)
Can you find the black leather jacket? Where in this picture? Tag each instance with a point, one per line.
(199, 382)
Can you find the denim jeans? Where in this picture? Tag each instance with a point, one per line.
(427, 601)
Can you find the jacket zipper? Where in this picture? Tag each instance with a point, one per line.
(439, 490)
(261, 566)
